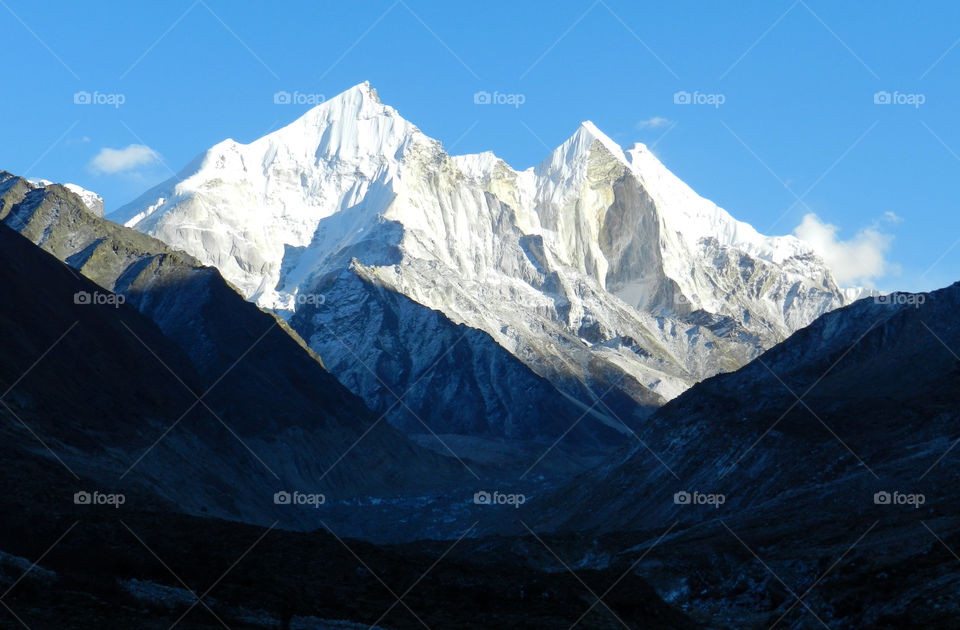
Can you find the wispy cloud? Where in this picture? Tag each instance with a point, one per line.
(856, 261)
(656, 122)
(110, 161)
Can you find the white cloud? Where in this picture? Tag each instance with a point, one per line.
(653, 123)
(112, 161)
(857, 261)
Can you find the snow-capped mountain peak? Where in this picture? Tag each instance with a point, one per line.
(349, 126)
(595, 261)
(262, 197)
(587, 128)
(698, 218)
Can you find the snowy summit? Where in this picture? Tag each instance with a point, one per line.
(597, 261)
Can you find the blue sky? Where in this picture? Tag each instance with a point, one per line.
(798, 130)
